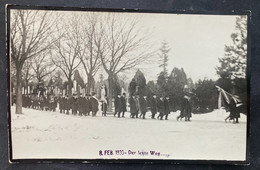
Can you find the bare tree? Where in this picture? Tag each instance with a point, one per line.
(29, 36)
(26, 73)
(65, 54)
(90, 53)
(126, 45)
(42, 66)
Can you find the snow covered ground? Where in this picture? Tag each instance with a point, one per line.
(40, 134)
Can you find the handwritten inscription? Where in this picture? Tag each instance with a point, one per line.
(131, 152)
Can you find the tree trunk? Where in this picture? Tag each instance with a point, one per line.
(18, 91)
(110, 91)
(70, 87)
(90, 83)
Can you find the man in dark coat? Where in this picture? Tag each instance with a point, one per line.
(143, 106)
(185, 109)
(153, 106)
(160, 106)
(74, 104)
(104, 105)
(67, 104)
(117, 105)
(166, 107)
(94, 104)
(133, 108)
(123, 104)
(234, 114)
(61, 104)
(81, 105)
(87, 105)
(137, 100)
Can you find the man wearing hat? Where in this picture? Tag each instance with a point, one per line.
(67, 104)
(160, 106)
(94, 104)
(153, 105)
(123, 104)
(104, 105)
(117, 105)
(74, 104)
(81, 103)
(61, 103)
(133, 106)
(166, 107)
(143, 106)
(87, 105)
(185, 109)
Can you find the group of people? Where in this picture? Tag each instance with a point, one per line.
(158, 106)
(89, 104)
(82, 105)
(139, 106)
(79, 105)
(42, 102)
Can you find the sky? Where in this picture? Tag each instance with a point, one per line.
(196, 42)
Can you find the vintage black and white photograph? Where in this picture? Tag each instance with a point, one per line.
(127, 85)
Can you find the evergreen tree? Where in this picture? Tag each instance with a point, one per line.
(152, 88)
(162, 84)
(175, 87)
(164, 50)
(232, 68)
(233, 64)
(132, 87)
(206, 96)
(141, 82)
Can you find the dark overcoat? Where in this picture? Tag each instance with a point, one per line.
(154, 105)
(117, 104)
(74, 103)
(143, 104)
(123, 104)
(94, 104)
(166, 106)
(81, 104)
(160, 106)
(133, 108)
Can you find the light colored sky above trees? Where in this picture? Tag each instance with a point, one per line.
(196, 42)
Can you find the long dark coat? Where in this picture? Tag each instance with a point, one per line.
(133, 108)
(74, 103)
(67, 104)
(81, 104)
(87, 105)
(117, 104)
(123, 104)
(166, 106)
(185, 108)
(233, 109)
(160, 105)
(61, 103)
(143, 104)
(94, 104)
(154, 105)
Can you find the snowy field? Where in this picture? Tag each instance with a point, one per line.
(40, 134)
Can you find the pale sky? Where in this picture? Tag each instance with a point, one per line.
(196, 42)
